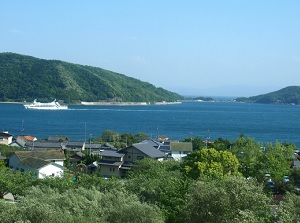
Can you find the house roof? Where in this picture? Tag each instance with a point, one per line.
(5, 134)
(148, 149)
(44, 144)
(93, 146)
(35, 163)
(27, 138)
(110, 163)
(44, 155)
(111, 153)
(74, 143)
(182, 146)
(58, 138)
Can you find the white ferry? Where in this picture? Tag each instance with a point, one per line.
(54, 105)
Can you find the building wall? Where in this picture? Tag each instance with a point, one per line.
(132, 154)
(14, 161)
(59, 162)
(5, 140)
(109, 171)
(178, 155)
(50, 170)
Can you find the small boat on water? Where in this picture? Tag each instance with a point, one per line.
(54, 105)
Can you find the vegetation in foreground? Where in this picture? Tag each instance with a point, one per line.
(218, 182)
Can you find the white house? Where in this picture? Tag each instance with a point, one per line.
(5, 138)
(41, 168)
(43, 163)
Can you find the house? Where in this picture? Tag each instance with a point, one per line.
(111, 163)
(76, 158)
(43, 162)
(5, 138)
(116, 163)
(58, 138)
(180, 150)
(74, 146)
(21, 141)
(41, 168)
(145, 149)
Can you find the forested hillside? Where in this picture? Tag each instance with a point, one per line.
(25, 78)
(288, 95)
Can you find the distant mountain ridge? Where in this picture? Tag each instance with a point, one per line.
(26, 78)
(287, 95)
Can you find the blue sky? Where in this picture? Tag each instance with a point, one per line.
(203, 48)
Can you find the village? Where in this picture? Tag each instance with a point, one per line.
(51, 157)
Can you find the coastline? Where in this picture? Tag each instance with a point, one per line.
(105, 103)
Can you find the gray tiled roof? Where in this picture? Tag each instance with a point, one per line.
(149, 150)
(44, 155)
(44, 144)
(74, 144)
(111, 153)
(33, 163)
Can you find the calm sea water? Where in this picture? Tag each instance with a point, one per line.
(264, 123)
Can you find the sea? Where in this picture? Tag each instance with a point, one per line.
(265, 123)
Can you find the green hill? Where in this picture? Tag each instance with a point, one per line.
(25, 78)
(288, 95)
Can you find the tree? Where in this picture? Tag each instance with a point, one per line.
(289, 209)
(110, 136)
(15, 182)
(233, 199)
(197, 142)
(80, 205)
(250, 155)
(210, 163)
(159, 183)
(222, 144)
(277, 160)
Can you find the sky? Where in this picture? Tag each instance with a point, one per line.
(191, 47)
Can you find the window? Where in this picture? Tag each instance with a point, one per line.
(22, 170)
(139, 157)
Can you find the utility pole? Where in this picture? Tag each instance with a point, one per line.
(90, 144)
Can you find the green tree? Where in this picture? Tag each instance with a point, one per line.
(277, 160)
(15, 182)
(289, 209)
(110, 136)
(222, 144)
(159, 183)
(233, 199)
(80, 205)
(197, 142)
(250, 155)
(210, 163)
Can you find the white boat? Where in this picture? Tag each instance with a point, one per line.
(54, 105)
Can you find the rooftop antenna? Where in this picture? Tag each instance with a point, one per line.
(85, 132)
